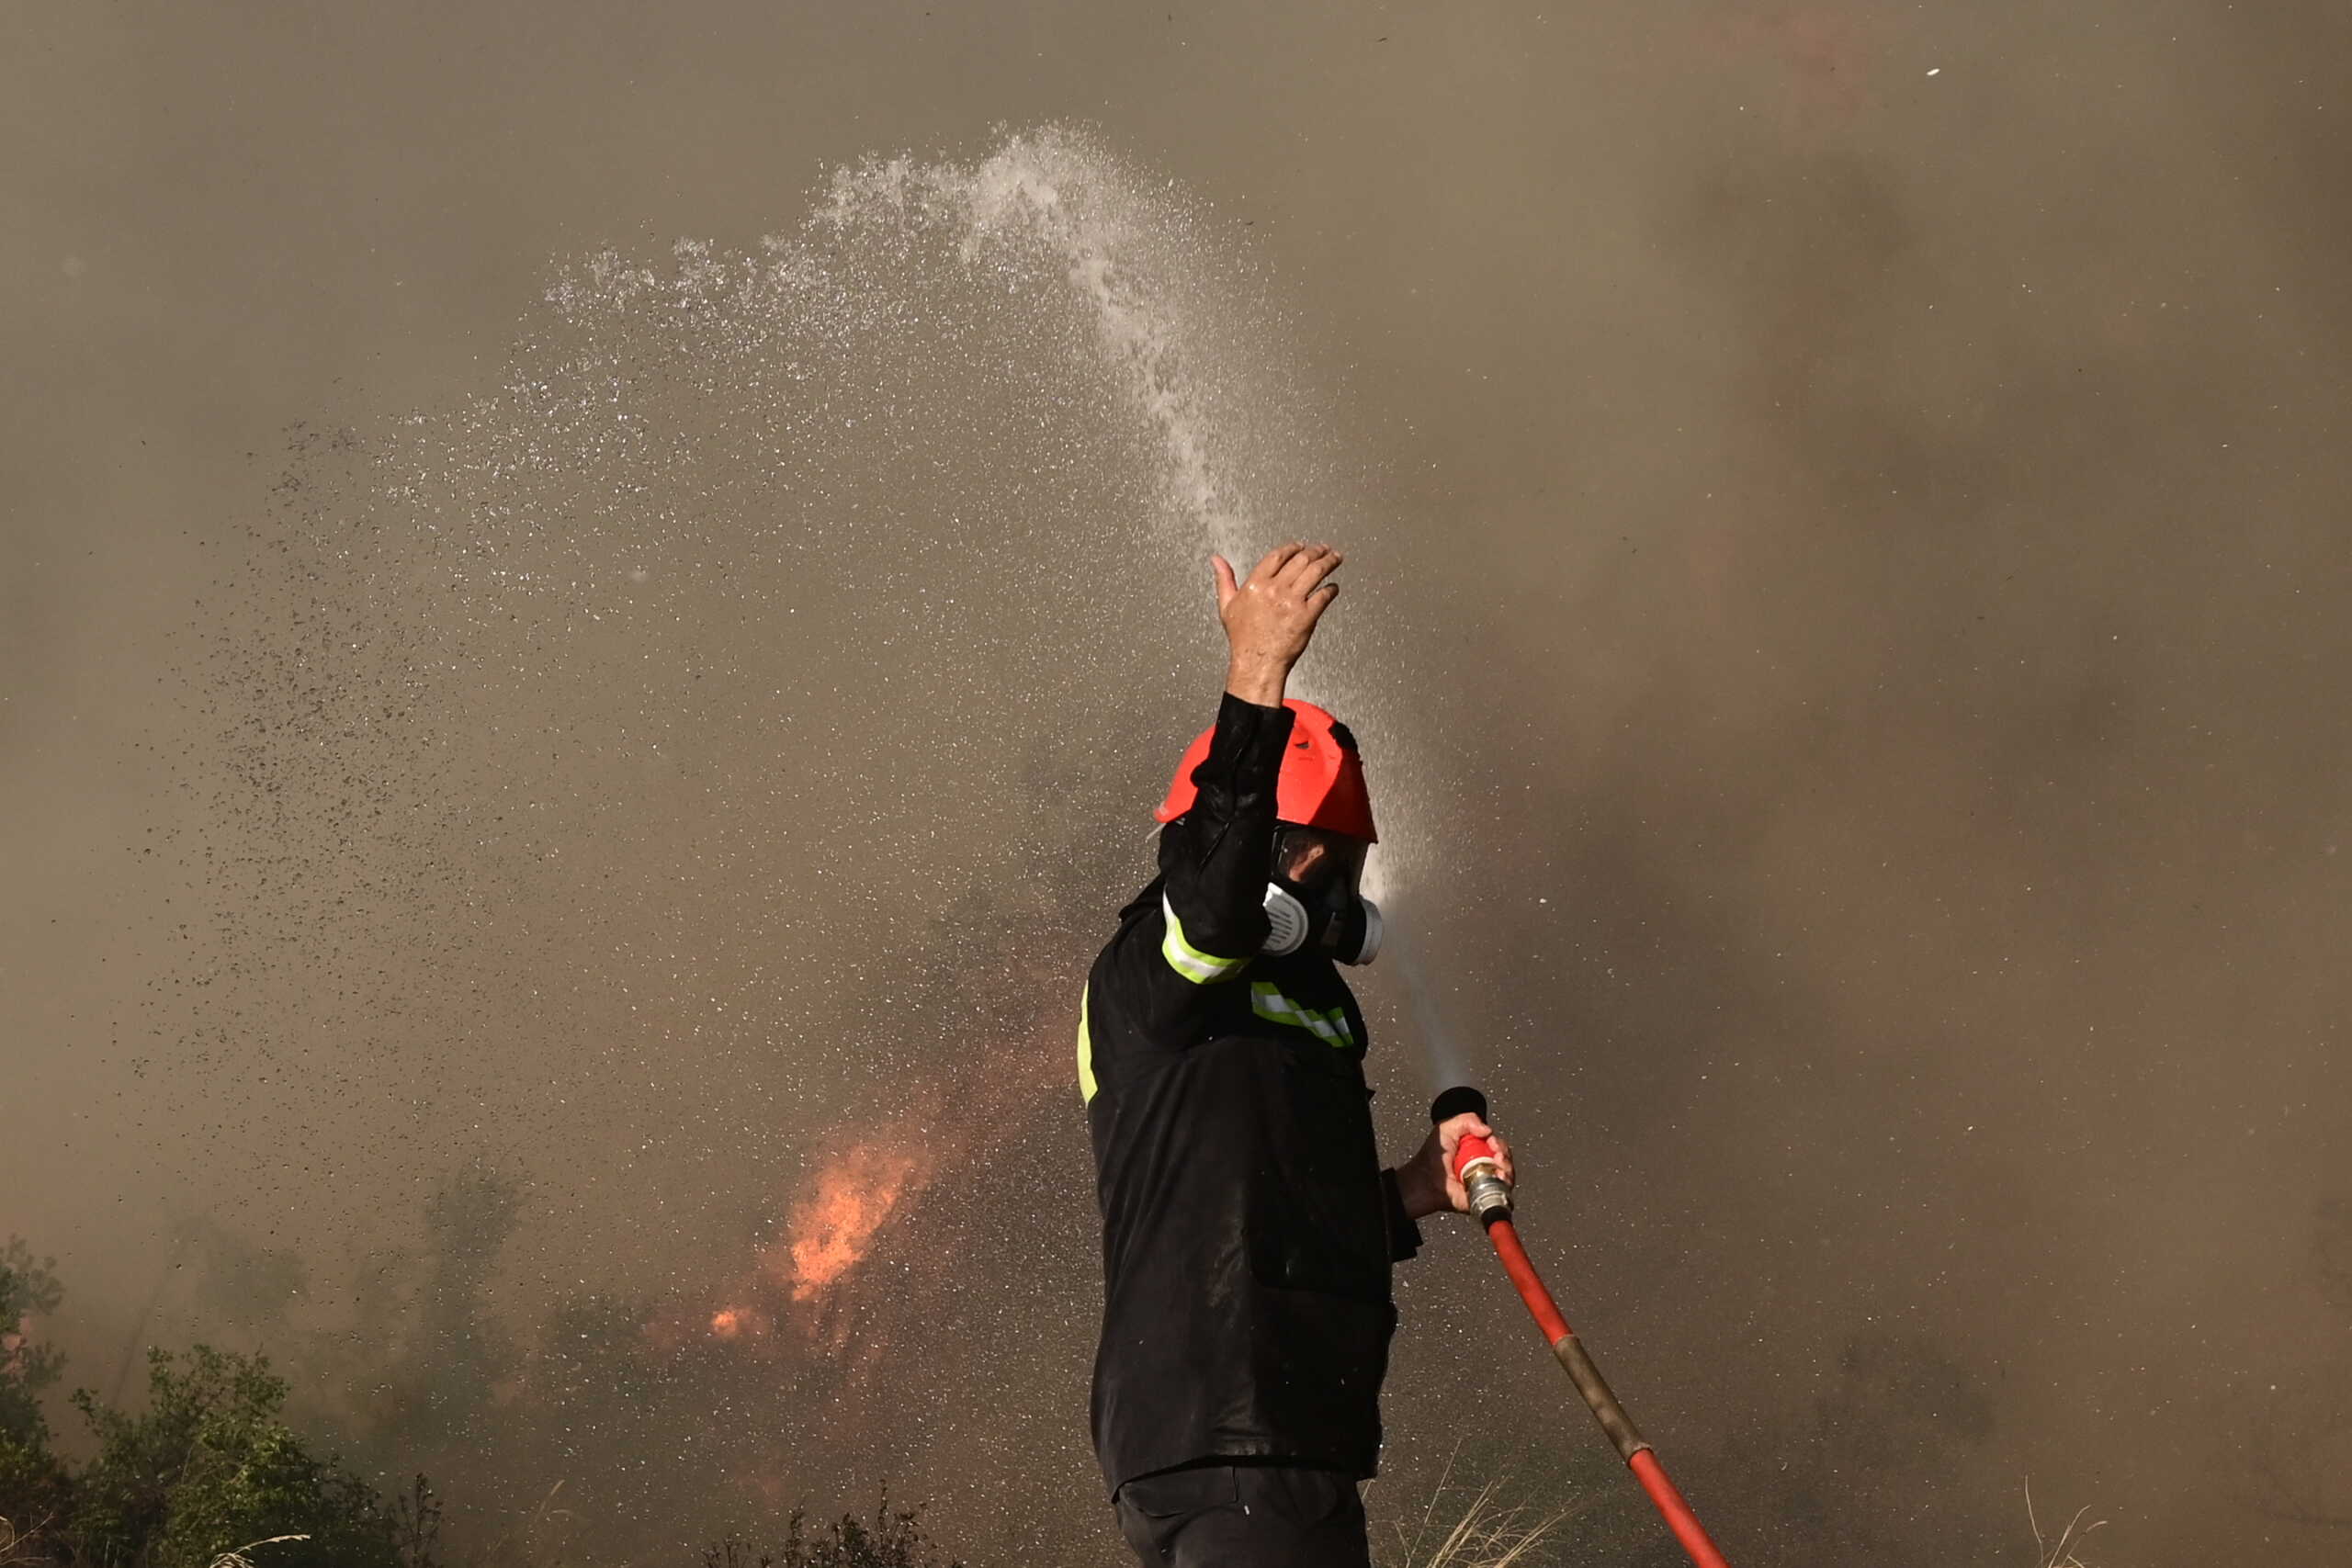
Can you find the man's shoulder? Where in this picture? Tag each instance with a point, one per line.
(1143, 922)
(1129, 963)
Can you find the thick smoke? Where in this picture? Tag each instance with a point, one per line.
(1845, 616)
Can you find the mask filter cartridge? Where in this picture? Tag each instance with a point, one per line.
(1369, 948)
(1286, 922)
(1352, 935)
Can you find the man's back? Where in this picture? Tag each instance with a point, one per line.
(1246, 1232)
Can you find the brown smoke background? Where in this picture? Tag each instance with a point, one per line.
(1850, 558)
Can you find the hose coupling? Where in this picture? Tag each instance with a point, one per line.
(1489, 1195)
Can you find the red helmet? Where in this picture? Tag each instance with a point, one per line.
(1322, 778)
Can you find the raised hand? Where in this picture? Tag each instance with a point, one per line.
(1269, 617)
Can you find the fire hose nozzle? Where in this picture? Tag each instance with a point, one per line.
(1489, 1195)
(1473, 1158)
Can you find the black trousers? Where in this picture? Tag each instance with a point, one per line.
(1248, 1516)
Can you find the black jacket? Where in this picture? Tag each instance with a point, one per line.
(1248, 1228)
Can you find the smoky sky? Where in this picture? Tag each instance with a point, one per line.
(1846, 609)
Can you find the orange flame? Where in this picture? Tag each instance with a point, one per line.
(833, 1230)
(733, 1323)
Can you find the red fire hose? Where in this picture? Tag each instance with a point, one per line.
(1473, 1162)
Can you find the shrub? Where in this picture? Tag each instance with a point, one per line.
(209, 1468)
(27, 1289)
(890, 1539)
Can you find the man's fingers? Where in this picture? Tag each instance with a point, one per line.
(1310, 566)
(1222, 570)
(1300, 570)
(1271, 564)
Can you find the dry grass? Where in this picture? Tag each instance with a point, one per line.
(17, 1547)
(542, 1539)
(20, 1548)
(235, 1557)
(1488, 1533)
(2059, 1553)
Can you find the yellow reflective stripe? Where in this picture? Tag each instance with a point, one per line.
(1330, 1024)
(1085, 1051)
(1201, 969)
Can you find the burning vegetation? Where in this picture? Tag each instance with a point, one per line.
(833, 1230)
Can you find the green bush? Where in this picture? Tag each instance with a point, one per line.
(209, 1468)
(208, 1474)
(33, 1487)
(27, 1289)
(208, 1471)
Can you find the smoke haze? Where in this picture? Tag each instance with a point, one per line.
(595, 600)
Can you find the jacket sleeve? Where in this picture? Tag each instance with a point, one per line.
(1404, 1236)
(1216, 859)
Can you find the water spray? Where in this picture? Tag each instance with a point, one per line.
(1490, 1200)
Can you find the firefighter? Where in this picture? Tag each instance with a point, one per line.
(1248, 1228)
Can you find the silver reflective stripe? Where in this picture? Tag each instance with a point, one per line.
(1329, 1025)
(1199, 967)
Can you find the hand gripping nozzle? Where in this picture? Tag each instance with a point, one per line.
(1474, 1158)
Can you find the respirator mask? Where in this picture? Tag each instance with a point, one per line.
(1312, 905)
